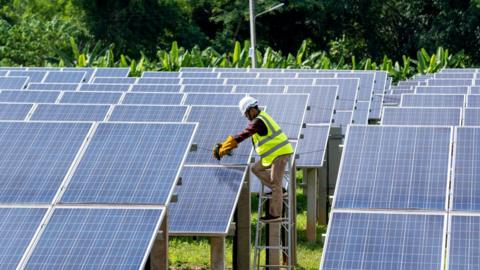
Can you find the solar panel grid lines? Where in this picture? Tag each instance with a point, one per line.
(462, 243)
(214, 88)
(148, 113)
(160, 74)
(304, 75)
(213, 99)
(290, 81)
(88, 72)
(366, 83)
(274, 89)
(361, 112)
(111, 72)
(13, 83)
(199, 75)
(91, 97)
(174, 88)
(473, 101)
(347, 91)
(115, 80)
(450, 82)
(14, 111)
(64, 77)
(312, 148)
(456, 75)
(207, 200)
(143, 80)
(53, 86)
(437, 100)
(153, 98)
(69, 112)
(422, 116)
(120, 238)
(33, 76)
(203, 81)
(322, 101)
(442, 90)
(385, 240)
(471, 117)
(376, 106)
(342, 119)
(105, 87)
(277, 75)
(26, 96)
(110, 181)
(233, 75)
(248, 81)
(402, 168)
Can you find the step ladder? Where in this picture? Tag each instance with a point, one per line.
(279, 253)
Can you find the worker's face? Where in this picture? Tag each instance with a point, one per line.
(251, 114)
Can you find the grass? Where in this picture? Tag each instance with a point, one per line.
(194, 252)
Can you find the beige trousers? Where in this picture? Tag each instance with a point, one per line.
(273, 180)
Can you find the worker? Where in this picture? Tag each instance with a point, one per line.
(271, 144)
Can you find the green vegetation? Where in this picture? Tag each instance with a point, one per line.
(190, 253)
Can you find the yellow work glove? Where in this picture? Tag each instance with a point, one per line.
(227, 146)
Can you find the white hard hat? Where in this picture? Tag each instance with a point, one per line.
(247, 103)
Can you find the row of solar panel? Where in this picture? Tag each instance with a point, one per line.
(37, 74)
(431, 116)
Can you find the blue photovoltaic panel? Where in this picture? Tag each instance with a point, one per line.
(91, 97)
(273, 89)
(104, 87)
(213, 99)
(53, 86)
(153, 98)
(111, 72)
(211, 75)
(380, 85)
(208, 88)
(231, 75)
(443, 101)
(449, 82)
(206, 200)
(158, 81)
(247, 81)
(342, 119)
(422, 116)
(316, 75)
(151, 113)
(394, 168)
(277, 75)
(278, 81)
(35, 158)
(88, 72)
(226, 69)
(454, 75)
(464, 242)
(13, 83)
(13, 68)
(467, 170)
(29, 96)
(276, 105)
(365, 86)
(384, 241)
(312, 147)
(196, 69)
(475, 90)
(409, 83)
(3, 73)
(130, 164)
(347, 92)
(14, 111)
(34, 76)
(376, 106)
(360, 114)
(392, 99)
(115, 80)
(473, 101)
(17, 229)
(442, 90)
(202, 81)
(402, 91)
(70, 112)
(163, 74)
(156, 88)
(215, 124)
(44, 68)
(471, 117)
(95, 238)
(321, 101)
(64, 77)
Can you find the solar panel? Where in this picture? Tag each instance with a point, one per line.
(473, 101)
(163, 74)
(115, 80)
(273, 89)
(3, 73)
(17, 228)
(463, 243)
(215, 124)
(342, 119)
(363, 240)
(365, 87)
(158, 81)
(130, 164)
(202, 81)
(316, 75)
(376, 107)
(196, 69)
(278, 81)
(312, 147)
(13, 83)
(150, 113)
(391, 167)
(465, 180)
(360, 114)
(380, 84)
(88, 72)
(29, 96)
(96, 238)
(228, 69)
(104, 87)
(449, 82)
(70, 112)
(443, 101)
(53, 86)
(33, 76)
(280, 75)
(44, 68)
(231, 75)
(213, 99)
(475, 90)
(422, 116)
(156, 88)
(111, 72)
(206, 200)
(64, 77)
(153, 98)
(91, 97)
(398, 91)
(14, 111)
(392, 99)
(347, 92)
(247, 81)
(321, 101)
(409, 83)
(208, 88)
(198, 75)
(471, 117)
(454, 75)
(35, 158)
(441, 90)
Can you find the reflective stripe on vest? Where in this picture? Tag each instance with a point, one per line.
(273, 144)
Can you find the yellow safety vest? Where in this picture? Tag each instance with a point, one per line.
(272, 145)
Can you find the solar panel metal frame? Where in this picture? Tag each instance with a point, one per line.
(449, 82)
(33, 113)
(436, 109)
(160, 74)
(53, 86)
(449, 229)
(154, 88)
(25, 82)
(125, 101)
(111, 72)
(30, 74)
(109, 116)
(34, 92)
(80, 93)
(299, 163)
(461, 90)
(60, 76)
(114, 80)
(433, 96)
(107, 87)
